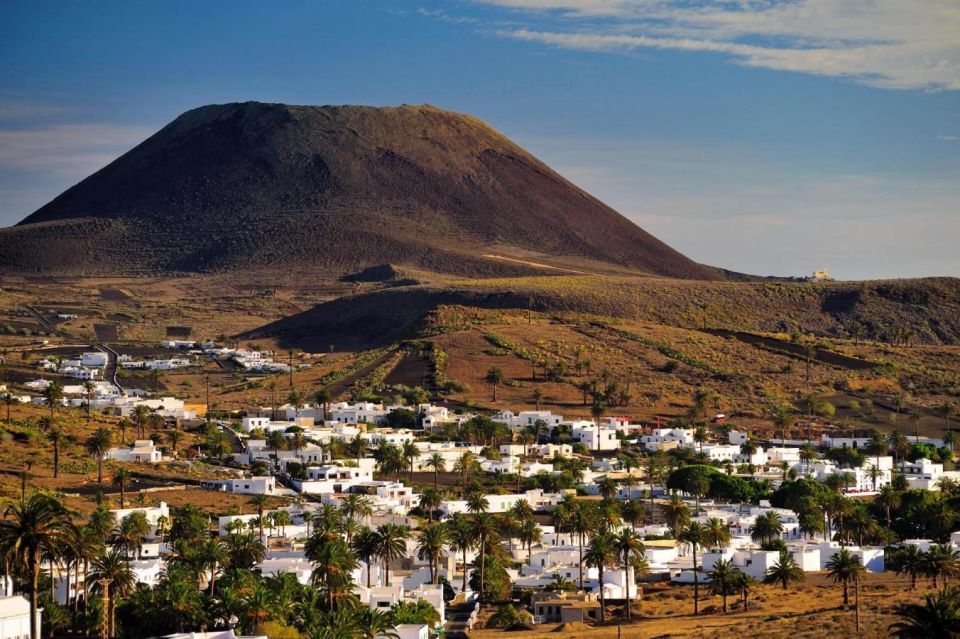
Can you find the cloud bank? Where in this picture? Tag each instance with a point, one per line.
(889, 44)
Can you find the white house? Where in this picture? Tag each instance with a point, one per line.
(15, 617)
(594, 437)
(245, 486)
(143, 451)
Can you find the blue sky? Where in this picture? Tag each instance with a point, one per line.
(766, 136)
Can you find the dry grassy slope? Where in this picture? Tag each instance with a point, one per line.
(930, 307)
(242, 185)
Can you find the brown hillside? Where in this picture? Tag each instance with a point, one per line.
(330, 189)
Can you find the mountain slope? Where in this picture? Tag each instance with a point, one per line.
(251, 185)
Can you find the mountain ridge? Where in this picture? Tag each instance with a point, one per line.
(336, 188)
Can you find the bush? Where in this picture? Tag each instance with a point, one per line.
(509, 616)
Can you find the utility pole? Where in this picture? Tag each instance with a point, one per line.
(106, 629)
(206, 385)
(290, 354)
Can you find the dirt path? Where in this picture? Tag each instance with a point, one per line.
(538, 265)
(794, 350)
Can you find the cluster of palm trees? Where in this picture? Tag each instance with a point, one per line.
(939, 563)
(604, 538)
(208, 580)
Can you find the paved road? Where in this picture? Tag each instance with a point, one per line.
(110, 371)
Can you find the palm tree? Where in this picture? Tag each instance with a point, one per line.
(477, 502)
(120, 478)
(630, 548)
(494, 377)
(889, 500)
(324, 398)
(53, 395)
(373, 624)
(355, 507)
(409, 453)
(113, 569)
(900, 446)
(785, 571)
(538, 396)
(8, 401)
(140, 414)
(366, 544)
(766, 528)
(174, 437)
(245, 550)
(693, 535)
(276, 441)
(723, 580)
(430, 500)
(912, 563)
(333, 561)
(55, 437)
(743, 582)
(431, 547)
(485, 528)
(844, 567)
(391, 545)
(716, 534)
(211, 557)
(98, 445)
(582, 523)
(260, 502)
(947, 410)
(941, 561)
(634, 512)
(32, 529)
(602, 552)
(529, 533)
(462, 539)
(937, 618)
(464, 465)
(122, 425)
(677, 515)
(438, 464)
(129, 534)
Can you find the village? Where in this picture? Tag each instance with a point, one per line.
(514, 520)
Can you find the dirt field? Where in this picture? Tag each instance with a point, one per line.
(810, 610)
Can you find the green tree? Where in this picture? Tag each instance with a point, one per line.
(845, 568)
(438, 464)
(692, 535)
(31, 530)
(631, 551)
(602, 553)
(98, 446)
(494, 377)
(121, 476)
(391, 545)
(333, 561)
(113, 569)
(785, 571)
(462, 539)
(55, 437)
(724, 580)
(766, 528)
(938, 617)
(431, 547)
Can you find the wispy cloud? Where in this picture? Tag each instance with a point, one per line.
(888, 44)
(70, 149)
(18, 109)
(949, 138)
(445, 17)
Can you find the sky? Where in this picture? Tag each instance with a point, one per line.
(772, 137)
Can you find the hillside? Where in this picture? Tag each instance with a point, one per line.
(912, 311)
(331, 190)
